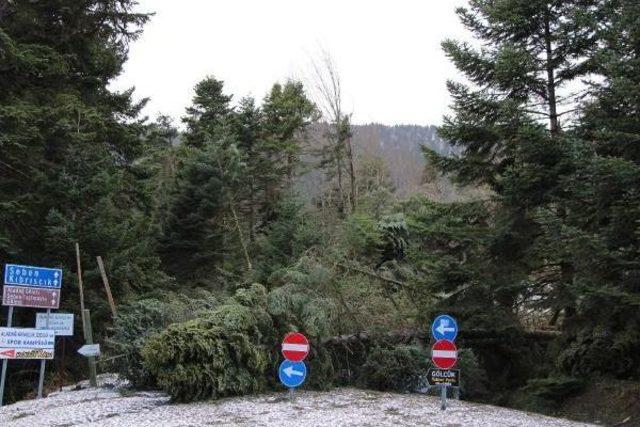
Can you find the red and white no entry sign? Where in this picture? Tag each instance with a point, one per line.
(444, 354)
(295, 346)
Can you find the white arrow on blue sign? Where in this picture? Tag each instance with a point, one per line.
(444, 328)
(37, 277)
(292, 374)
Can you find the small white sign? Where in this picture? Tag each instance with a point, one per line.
(61, 323)
(89, 350)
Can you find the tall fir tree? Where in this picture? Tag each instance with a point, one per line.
(508, 125)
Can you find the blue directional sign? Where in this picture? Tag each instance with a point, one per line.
(36, 277)
(292, 374)
(444, 328)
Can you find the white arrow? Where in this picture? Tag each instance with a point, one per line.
(89, 350)
(56, 274)
(290, 371)
(444, 327)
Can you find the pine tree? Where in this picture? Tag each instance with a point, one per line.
(206, 118)
(600, 234)
(508, 125)
(67, 141)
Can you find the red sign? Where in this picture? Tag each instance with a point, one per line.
(8, 354)
(22, 296)
(444, 354)
(295, 347)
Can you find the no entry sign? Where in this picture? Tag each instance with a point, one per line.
(295, 347)
(444, 354)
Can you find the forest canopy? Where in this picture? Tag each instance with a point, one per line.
(214, 250)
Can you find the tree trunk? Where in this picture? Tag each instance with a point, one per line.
(240, 236)
(352, 175)
(554, 126)
(252, 212)
(340, 189)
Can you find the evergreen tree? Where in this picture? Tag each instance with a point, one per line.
(287, 114)
(533, 50)
(69, 148)
(237, 162)
(600, 234)
(206, 117)
(67, 142)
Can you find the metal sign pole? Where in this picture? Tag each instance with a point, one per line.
(5, 361)
(292, 394)
(43, 362)
(443, 397)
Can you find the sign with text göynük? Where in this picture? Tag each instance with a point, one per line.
(61, 323)
(38, 277)
(22, 296)
(26, 343)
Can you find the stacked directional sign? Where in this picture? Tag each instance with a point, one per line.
(27, 286)
(293, 371)
(444, 353)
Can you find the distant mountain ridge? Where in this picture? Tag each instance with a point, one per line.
(400, 148)
(402, 137)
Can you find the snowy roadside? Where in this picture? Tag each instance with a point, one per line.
(110, 405)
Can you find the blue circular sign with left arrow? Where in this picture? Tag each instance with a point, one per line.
(444, 327)
(292, 374)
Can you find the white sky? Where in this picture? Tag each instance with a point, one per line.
(387, 52)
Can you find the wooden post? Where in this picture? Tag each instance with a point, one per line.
(107, 288)
(88, 339)
(80, 285)
(62, 375)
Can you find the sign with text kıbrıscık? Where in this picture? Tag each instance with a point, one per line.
(26, 275)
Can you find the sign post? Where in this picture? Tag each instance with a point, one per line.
(292, 371)
(5, 361)
(444, 355)
(28, 286)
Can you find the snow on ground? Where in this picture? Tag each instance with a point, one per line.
(113, 405)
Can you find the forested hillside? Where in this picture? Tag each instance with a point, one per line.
(277, 213)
